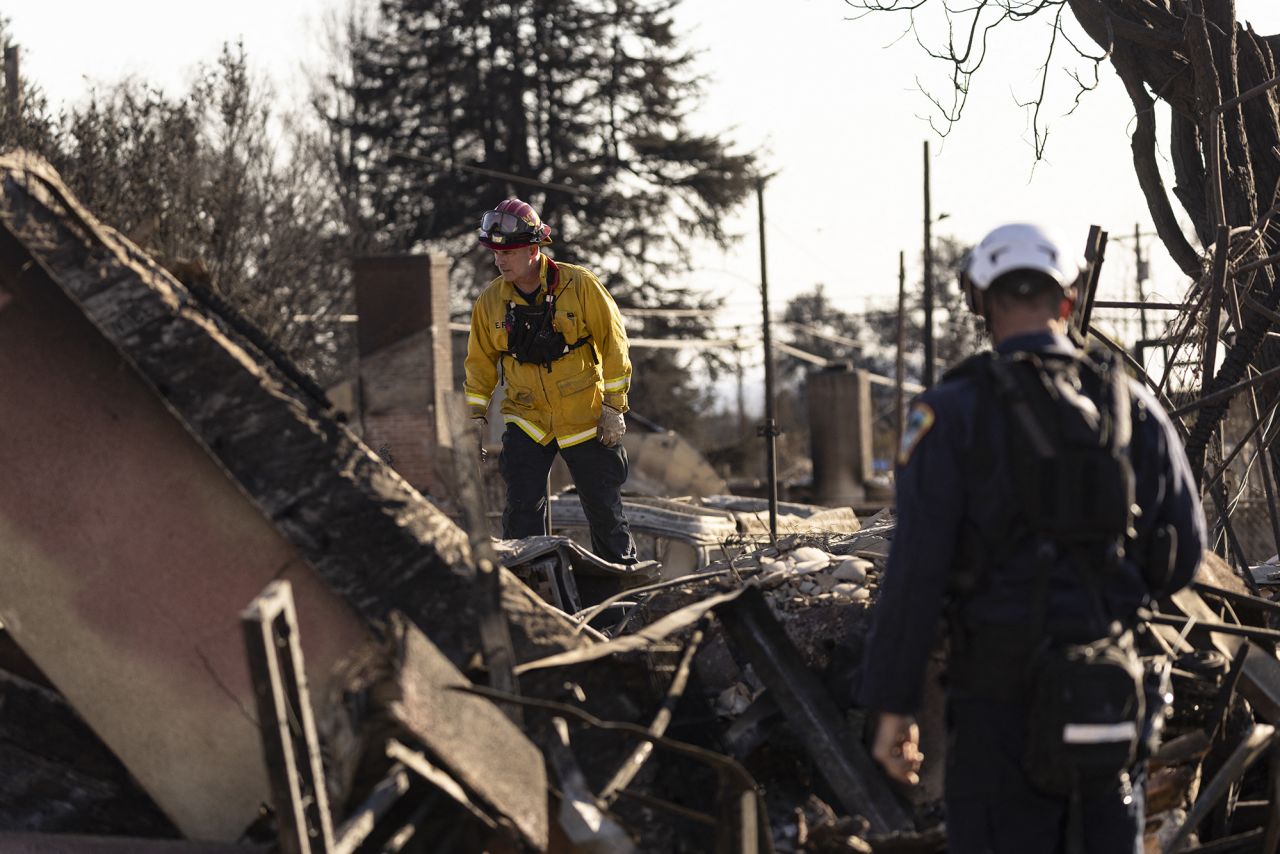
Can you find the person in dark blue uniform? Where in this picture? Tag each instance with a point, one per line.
(964, 546)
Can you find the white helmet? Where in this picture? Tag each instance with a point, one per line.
(1021, 246)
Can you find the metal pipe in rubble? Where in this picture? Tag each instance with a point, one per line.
(769, 430)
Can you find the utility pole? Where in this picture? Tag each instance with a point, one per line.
(742, 391)
(900, 375)
(928, 275)
(769, 429)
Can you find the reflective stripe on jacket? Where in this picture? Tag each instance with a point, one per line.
(563, 403)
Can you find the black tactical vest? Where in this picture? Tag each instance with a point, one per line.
(1070, 492)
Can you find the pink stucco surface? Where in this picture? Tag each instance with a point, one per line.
(126, 556)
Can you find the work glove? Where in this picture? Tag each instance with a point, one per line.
(611, 426)
(479, 427)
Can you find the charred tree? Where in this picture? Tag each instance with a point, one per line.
(1212, 71)
(1223, 139)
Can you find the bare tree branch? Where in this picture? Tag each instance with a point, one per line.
(1148, 172)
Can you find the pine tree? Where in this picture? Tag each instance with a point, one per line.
(587, 102)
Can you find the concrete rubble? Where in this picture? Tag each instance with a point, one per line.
(227, 625)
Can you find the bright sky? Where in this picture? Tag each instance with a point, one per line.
(837, 103)
(832, 102)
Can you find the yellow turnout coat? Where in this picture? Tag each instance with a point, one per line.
(562, 402)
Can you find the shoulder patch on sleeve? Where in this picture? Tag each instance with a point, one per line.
(919, 420)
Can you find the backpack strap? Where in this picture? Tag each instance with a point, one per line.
(1117, 383)
(976, 549)
(1029, 392)
(1012, 383)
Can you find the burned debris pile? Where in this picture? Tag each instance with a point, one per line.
(771, 641)
(55, 774)
(228, 625)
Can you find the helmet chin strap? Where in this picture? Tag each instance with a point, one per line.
(973, 298)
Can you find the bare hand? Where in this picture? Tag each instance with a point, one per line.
(897, 747)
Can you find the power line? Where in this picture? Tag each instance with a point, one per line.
(828, 336)
(668, 312)
(803, 355)
(726, 343)
(682, 343)
(495, 173)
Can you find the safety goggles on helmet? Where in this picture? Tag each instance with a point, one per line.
(506, 224)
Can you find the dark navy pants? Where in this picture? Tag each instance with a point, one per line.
(992, 807)
(598, 473)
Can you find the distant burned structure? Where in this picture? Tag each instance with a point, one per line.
(840, 430)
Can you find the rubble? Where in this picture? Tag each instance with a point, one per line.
(121, 573)
(57, 776)
(688, 535)
(403, 684)
(412, 696)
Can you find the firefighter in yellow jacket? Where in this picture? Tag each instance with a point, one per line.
(552, 335)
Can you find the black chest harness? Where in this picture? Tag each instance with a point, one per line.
(1065, 497)
(1067, 430)
(531, 333)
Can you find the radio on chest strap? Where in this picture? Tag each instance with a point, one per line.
(531, 333)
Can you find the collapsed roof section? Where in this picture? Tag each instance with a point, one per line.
(159, 469)
(374, 540)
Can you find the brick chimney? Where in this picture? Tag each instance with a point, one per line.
(840, 434)
(406, 364)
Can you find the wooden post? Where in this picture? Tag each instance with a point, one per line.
(768, 430)
(1095, 253)
(495, 631)
(1140, 275)
(742, 390)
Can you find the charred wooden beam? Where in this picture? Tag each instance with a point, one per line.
(287, 725)
(848, 769)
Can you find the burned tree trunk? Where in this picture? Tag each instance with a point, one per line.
(1224, 138)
